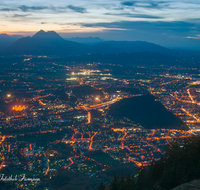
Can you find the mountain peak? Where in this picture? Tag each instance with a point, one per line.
(4, 34)
(52, 33)
(42, 33)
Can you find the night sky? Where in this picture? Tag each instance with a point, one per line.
(172, 23)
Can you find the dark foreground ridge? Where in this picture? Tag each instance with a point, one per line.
(192, 185)
(147, 111)
(176, 169)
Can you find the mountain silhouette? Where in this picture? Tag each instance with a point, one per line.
(130, 47)
(45, 43)
(52, 44)
(7, 40)
(89, 40)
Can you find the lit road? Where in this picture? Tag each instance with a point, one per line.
(71, 162)
(189, 114)
(1, 165)
(90, 146)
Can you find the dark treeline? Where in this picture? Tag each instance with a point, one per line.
(179, 165)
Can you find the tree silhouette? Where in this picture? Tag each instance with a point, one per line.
(177, 166)
(102, 186)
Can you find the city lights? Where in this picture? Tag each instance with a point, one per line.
(18, 108)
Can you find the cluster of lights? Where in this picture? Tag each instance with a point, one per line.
(81, 73)
(72, 78)
(18, 108)
(89, 117)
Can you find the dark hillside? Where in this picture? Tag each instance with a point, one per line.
(147, 111)
(178, 166)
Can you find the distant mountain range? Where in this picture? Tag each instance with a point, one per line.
(52, 44)
(89, 41)
(6, 40)
(44, 43)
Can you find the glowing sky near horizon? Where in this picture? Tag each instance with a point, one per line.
(114, 19)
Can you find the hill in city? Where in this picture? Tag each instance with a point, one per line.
(85, 90)
(148, 111)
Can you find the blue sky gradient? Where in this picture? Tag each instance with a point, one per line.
(169, 23)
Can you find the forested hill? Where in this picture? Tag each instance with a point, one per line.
(179, 165)
(147, 111)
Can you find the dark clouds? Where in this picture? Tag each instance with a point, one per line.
(169, 34)
(128, 3)
(7, 9)
(77, 9)
(135, 15)
(25, 8)
(158, 21)
(146, 4)
(19, 15)
(159, 26)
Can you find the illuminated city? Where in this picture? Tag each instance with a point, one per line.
(58, 118)
(99, 95)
